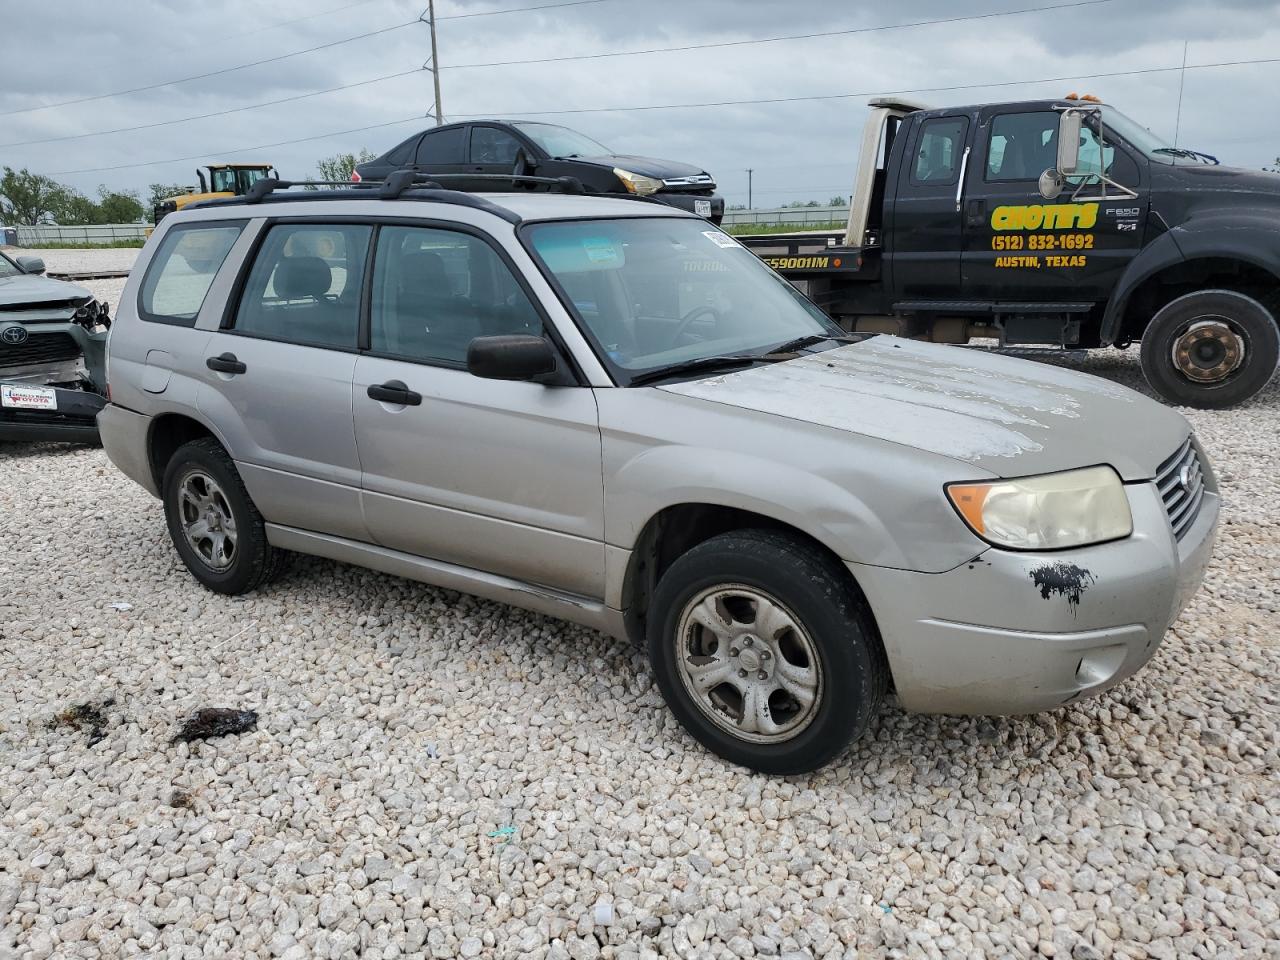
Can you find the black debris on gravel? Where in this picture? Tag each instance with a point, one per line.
(90, 717)
(215, 722)
(182, 800)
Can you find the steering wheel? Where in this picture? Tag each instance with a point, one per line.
(687, 320)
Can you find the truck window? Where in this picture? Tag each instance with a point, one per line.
(938, 153)
(1022, 145)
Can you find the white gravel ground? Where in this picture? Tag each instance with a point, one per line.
(436, 775)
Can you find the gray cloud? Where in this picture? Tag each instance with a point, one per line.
(799, 150)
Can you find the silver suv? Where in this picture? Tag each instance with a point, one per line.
(609, 411)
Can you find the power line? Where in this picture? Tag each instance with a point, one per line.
(872, 93)
(545, 6)
(718, 103)
(796, 36)
(270, 26)
(261, 146)
(213, 73)
(216, 113)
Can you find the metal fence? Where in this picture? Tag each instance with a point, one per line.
(91, 233)
(787, 215)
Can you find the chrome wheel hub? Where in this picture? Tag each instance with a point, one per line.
(1209, 350)
(207, 521)
(748, 664)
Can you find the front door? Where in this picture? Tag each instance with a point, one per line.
(1020, 247)
(497, 476)
(493, 153)
(277, 381)
(922, 240)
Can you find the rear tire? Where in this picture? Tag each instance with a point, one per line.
(1210, 349)
(790, 670)
(215, 527)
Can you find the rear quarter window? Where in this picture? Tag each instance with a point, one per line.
(180, 274)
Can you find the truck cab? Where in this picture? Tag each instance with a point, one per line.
(1059, 223)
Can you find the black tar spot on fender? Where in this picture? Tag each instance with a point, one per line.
(1065, 579)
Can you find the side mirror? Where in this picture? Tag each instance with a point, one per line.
(30, 264)
(1054, 181)
(511, 357)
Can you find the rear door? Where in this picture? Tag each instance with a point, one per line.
(1020, 247)
(498, 476)
(278, 376)
(923, 238)
(443, 151)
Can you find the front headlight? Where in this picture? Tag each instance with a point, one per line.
(635, 183)
(1071, 509)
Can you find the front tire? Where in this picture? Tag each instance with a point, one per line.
(765, 651)
(215, 527)
(1210, 349)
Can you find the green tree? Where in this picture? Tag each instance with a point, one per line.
(30, 198)
(74, 208)
(837, 201)
(119, 206)
(1275, 168)
(163, 191)
(340, 165)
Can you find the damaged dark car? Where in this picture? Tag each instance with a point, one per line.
(53, 340)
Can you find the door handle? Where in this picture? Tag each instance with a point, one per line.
(395, 391)
(976, 213)
(226, 363)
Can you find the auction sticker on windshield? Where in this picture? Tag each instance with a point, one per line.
(722, 240)
(28, 398)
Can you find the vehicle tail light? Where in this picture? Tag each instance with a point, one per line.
(355, 176)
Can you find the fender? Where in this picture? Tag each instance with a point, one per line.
(1223, 235)
(827, 511)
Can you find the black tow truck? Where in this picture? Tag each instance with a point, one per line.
(1054, 223)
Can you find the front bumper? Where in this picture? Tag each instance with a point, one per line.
(690, 202)
(1015, 633)
(73, 417)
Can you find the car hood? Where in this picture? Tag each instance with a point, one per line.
(647, 166)
(29, 289)
(1006, 416)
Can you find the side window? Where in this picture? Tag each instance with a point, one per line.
(403, 153)
(1022, 145)
(491, 145)
(183, 269)
(442, 146)
(434, 291)
(939, 151)
(305, 285)
(1102, 157)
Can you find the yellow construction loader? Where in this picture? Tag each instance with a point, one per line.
(224, 180)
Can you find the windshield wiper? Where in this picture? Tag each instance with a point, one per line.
(810, 339)
(1189, 154)
(700, 365)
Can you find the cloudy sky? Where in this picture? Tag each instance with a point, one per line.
(95, 52)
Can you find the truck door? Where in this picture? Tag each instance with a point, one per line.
(1019, 247)
(923, 231)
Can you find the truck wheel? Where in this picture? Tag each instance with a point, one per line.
(215, 527)
(1210, 349)
(765, 651)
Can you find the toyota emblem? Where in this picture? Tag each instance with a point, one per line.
(13, 335)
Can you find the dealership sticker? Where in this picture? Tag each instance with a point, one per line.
(702, 208)
(28, 398)
(721, 240)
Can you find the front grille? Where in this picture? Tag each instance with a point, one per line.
(1181, 482)
(39, 348)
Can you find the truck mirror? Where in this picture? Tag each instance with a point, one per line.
(1069, 125)
(1052, 184)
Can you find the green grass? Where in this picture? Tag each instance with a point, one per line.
(752, 229)
(135, 242)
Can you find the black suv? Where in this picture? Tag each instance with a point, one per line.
(488, 148)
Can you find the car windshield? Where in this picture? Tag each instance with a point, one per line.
(561, 141)
(666, 291)
(8, 268)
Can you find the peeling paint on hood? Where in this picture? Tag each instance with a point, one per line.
(1011, 417)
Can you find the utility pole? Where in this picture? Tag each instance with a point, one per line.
(750, 204)
(435, 59)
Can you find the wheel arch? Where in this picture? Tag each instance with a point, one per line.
(678, 528)
(168, 432)
(1219, 253)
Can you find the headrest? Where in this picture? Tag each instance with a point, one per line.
(298, 277)
(423, 273)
